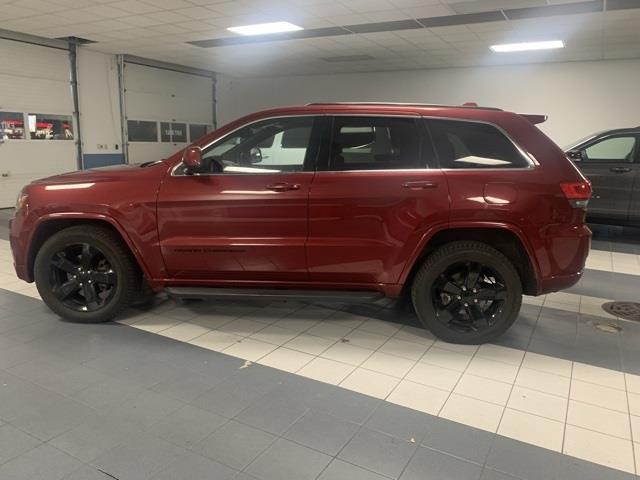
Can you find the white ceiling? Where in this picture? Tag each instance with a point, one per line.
(158, 29)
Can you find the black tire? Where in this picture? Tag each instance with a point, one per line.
(114, 265)
(457, 316)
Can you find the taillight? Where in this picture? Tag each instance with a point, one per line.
(578, 193)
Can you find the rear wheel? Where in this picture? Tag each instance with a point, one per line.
(86, 274)
(467, 292)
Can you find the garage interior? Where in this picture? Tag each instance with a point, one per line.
(283, 389)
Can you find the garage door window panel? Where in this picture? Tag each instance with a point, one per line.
(173, 132)
(11, 126)
(464, 144)
(620, 149)
(270, 146)
(375, 143)
(197, 131)
(44, 126)
(142, 131)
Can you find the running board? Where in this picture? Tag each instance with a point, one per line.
(305, 295)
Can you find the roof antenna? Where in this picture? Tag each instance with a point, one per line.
(469, 104)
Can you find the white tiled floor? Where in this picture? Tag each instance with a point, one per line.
(580, 410)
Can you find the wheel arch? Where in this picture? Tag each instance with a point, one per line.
(52, 224)
(507, 239)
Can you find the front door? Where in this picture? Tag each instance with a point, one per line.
(244, 217)
(609, 164)
(372, 200)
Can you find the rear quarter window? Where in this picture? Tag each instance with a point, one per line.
(468, 144)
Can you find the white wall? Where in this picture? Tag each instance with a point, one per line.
(99, 100)
(579, 97)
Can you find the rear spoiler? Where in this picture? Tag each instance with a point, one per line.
(535, 119)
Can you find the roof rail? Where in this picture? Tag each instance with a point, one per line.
(408, 104)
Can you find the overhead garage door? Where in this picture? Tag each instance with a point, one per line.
(165, 110)
(37, 131)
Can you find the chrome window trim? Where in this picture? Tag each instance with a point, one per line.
(530, 159)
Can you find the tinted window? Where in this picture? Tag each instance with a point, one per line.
(270, 146)
(173, 132)
(141, 131)
(43, 126)
(374, 143)
(613, 149)
(462, 144)
(197, 130)
(11, 125)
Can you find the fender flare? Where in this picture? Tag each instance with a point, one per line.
(431, 232)
(91, 216)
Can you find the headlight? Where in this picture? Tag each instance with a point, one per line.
(22, 200)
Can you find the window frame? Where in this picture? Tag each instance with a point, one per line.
(635, 158)
(424, 137)
(171, 138)
(71, 120)
(26, 136)
(157, 140)
(532, 163)
(316, 140)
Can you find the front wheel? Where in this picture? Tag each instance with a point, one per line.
(86, 274)
(467, 292)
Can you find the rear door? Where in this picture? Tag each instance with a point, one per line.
(609, 164)
(375, 194)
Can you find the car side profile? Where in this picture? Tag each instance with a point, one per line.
(611, 161)
(462, 209)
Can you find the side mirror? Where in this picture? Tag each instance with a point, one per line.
(255, 155)
(192, 158)
(575, 155)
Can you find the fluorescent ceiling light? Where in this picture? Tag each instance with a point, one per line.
(526, 46)
(265, 28)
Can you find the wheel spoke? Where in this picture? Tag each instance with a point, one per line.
(66, 289)
(63, 263)
(473, 273)
(492, 293)
(107, 278)
(89, 293)
(475, 314)
(87, 256)
(452, 289)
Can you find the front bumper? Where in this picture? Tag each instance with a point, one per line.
(19, 247)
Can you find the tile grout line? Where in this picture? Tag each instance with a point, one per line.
(566, 416)
(506, 405)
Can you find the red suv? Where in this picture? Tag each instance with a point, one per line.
(463, 209)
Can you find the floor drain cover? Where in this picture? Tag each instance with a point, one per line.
(625, 310)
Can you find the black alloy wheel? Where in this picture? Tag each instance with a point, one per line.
(82, 277)
(467, 292)
(468, 297)
(87, 274)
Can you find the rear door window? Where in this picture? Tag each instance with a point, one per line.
(468, 144)
(375, 143)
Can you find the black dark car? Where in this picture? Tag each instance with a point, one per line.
(611, 160)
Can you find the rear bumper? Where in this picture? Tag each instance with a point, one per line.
(559, 282)
(567, 250)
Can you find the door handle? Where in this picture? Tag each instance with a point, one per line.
(283, 187)
(620, 169)
(419, 185)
